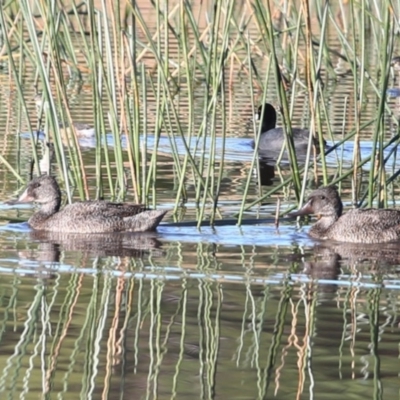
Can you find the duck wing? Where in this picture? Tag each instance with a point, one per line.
(103, 209)
(274, 139)
(374, 216)
(367, 226)
(102, 216)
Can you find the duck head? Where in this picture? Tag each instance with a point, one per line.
(268, 120)
(43, 189)
(323, 202)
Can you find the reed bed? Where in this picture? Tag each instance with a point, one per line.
(175, 75)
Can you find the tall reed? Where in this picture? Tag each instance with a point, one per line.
(184, 94)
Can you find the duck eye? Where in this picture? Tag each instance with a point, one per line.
(322, 197)
(36, 185)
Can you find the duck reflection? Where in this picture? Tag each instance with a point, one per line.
(328, 258)
(375, 254)
(53, 244)
(267, 160)
(322, 264)
(266, 171)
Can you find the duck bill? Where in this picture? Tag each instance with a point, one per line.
(305, 210)
(25, 198)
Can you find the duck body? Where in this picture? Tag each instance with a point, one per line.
(272, 138)
(85, 216)
(82, 130)
(356, 226)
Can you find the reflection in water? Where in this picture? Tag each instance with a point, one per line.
(323, 265)
(328, 258)
(268, 159)
(203, 313)
(52, 244)
(266, 171)
(375, 254)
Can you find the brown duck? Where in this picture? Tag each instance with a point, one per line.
(86, 216)
(356, 226)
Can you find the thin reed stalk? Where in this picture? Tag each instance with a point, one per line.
(255, 160)
(376, 175)
(314, 87)
(165, 79)
(217, 64)
(110, 85)
(131, 108)
(14, 70)
(184, 15)
(358, 88)
(264, 18)
(95, 43)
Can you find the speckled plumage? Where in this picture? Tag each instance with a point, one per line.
(356, 226)
(86, 216)
(272, 138)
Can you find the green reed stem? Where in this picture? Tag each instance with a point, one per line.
(218, 57)
(351, 58)
(153, 161)
(111, 74)
(132, 109)
(202, 134)
(13, 68)
(167, 80)
(318, 94)
(264, 19)
(255, 160)
(357, 153)
(314, 86)
(185, 10)
(43, 71)
(221, 88)
(92, 45)
(378, 136)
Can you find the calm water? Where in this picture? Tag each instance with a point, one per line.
(251, 312)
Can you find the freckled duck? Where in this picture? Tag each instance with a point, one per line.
(356, 226)
(272, 138)
(86, 216)
(82, 130)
